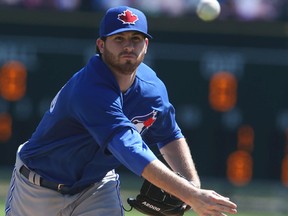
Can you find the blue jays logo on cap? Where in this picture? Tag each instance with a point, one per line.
(127, 17)
(121, 19)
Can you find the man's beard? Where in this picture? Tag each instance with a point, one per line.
(126, 68)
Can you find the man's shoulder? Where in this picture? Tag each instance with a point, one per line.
(148, 80)
(147, 74)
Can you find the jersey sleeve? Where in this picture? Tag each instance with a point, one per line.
(129, 148)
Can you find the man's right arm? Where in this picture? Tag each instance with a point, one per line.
(203, 202)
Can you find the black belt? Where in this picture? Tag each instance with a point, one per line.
(61, 188)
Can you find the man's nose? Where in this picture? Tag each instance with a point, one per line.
(128, 46)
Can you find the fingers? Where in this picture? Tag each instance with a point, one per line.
(221, 204)
(213, 204)
(225, 201)
(220, 210)
(226, 209)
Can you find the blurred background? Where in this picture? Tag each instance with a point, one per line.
(228, 80)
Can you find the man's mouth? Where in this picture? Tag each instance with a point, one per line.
(128, 55)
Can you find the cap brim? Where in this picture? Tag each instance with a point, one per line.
(125, 30)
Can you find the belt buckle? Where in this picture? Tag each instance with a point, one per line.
(59, 187)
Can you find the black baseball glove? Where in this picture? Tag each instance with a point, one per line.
(155, 201)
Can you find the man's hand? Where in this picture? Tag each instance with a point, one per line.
(210, 203)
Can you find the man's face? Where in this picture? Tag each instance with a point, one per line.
(123, 52)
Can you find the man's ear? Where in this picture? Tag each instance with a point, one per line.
(147, 43)
(100, 45)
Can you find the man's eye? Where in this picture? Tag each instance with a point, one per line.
(118, 38)
(136, 38)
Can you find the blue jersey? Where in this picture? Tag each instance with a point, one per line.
(92, 127)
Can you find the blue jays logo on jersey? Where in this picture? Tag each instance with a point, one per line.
(142, 123)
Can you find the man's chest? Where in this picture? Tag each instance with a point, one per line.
(143, 113)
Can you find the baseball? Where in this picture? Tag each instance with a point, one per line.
(208, 10)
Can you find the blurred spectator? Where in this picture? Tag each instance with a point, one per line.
(154, 7)
(244, 10)
(255, 9)
(67, 4)
(10, 2)
(160, 7)
(102, 5)
(33, 3)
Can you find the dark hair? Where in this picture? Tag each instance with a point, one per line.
(97, 48)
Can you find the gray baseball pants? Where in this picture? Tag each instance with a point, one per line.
(26, 198)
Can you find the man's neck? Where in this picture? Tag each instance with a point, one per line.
(125, 81)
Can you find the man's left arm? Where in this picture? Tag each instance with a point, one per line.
(178, 156)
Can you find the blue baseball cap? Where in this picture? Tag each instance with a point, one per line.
(121, 19)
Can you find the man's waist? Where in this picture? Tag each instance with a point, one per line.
(38, 180)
